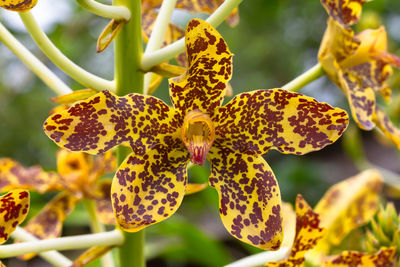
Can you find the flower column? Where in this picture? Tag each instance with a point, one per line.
(129, 79)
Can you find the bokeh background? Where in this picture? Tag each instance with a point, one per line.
(274, 42)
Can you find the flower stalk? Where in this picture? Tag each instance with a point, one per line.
(57, 57)
(170, 51)
(53, 257)
(106, 11)
(129, 79)
(111, 238)
(34, 64)
(303, 79)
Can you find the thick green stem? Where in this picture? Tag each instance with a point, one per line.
(305, 78)
(129, 79)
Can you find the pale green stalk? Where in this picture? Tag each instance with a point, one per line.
(34, 64)
(307, 77)
(97, 227)
(112, 238)
(158, 34)
(129, 79)
(106, 11)
(262, 258)
(53, 257)
(172, 50)
(57, 57)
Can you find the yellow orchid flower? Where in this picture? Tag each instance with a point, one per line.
(359, 64)
(150, 184)
(77, 179)
(18, 5)
(336, 215)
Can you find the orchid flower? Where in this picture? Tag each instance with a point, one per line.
(150, 184)
(359, 64)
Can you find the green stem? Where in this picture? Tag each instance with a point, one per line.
(53, 257)
(170, 51)
(34, 64)
(106, 11)
(129, 79)
(262, 258)
(54, 54)
(305, 78)
(97, 227)
(112, 238)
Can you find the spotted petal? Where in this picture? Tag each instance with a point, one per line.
(148, 189)
(250, 201)
(345, 12)
(349, 204)
(308, 233)
(337, 44)
(362, 100)
(209, 69)
(14, 207)
(102, 198)
(13, 175)
(18, 5)
(383, 122)
(383, 258)
(258, 121)
(48, 222)
(106, 120)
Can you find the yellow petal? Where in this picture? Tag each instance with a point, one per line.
(13, 175)
(102, 199)
(385, 257)
(90, 255)
(349, 204)
(261, 120)
(14, 207)
(345, 12)
(383, 122)
(18, 5)
(74, 96)
(108, 34)
(105, 120)
(249, 197)
(148, 189)
(210, 68)
(308, 233)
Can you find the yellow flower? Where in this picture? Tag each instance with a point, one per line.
(18, 5)
(77, 178)
(359, 64)
(335, 216)
(150, 184)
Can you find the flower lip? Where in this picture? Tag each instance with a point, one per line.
(198, 135)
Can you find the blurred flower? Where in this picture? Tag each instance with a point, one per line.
(18, 5)
(338, 213)
(150, 184)
(78, 178)
(359, 65)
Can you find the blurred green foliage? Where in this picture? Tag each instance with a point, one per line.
(274, 42)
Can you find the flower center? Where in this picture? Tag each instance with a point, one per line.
(198, 135)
